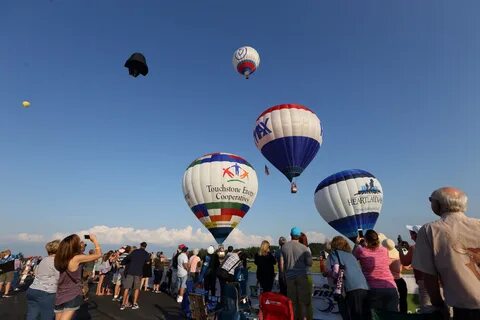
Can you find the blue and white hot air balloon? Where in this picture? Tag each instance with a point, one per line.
(350, 200)
(289, 136)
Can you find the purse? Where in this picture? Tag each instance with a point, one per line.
(338, 292)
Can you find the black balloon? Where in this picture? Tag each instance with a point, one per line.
(136, 65)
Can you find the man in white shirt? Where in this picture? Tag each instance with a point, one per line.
(182, 272)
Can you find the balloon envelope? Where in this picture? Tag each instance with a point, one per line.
(289, 136)
(246, 60)
(350, 200)
(26, 104)
(220, 188)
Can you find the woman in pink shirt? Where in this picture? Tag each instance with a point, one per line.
(375, 265)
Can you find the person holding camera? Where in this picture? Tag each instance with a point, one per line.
(68, 261)
(375, 264)
(406, 256)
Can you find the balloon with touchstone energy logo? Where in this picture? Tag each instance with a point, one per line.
(220, 188)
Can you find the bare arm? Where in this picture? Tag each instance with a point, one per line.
(81, 258)
(280, 264)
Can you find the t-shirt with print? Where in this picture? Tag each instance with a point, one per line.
(181, 271)
(450, 248)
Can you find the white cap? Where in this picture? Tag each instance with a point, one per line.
(210, 250)
(413, 228)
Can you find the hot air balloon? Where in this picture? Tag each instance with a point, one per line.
(136, 65)
(246, 60)
(350, 200)
(289, 136)
(26, 104)
(220, 188)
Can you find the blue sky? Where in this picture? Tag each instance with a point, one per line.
(395, 85)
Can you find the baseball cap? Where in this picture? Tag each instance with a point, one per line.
(413, 228)
(295, 231)
(181, 246)
(210, 250)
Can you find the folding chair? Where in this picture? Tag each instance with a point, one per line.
(198, 308)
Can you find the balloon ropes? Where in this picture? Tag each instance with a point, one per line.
(350, 200)
(289, 136)
(220, 188)
(246, 60)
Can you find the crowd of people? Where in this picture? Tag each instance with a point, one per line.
(444, 255)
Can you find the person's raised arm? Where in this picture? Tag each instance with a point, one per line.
(81, 258)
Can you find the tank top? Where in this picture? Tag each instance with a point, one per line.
(69, 286)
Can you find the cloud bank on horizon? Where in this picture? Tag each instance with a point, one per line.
(162, 237)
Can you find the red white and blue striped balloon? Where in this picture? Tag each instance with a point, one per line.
(350, 200)
(289, 136)
(220, 188)
(246, 60)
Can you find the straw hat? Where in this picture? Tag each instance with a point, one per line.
(392, 251)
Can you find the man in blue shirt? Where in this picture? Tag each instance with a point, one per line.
(133, 273)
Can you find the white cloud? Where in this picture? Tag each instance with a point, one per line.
(29, 237)
(163, 237)
(316, 237)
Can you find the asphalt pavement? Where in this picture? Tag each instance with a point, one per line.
(153, 306)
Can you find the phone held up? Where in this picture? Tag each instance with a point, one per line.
(360, 233)
(87, 237)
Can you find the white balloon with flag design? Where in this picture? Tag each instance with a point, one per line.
(220, 188)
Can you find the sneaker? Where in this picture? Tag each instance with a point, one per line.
(179, 299)
(6, 296)
(122, 307)
(135, 306)
(115, 298)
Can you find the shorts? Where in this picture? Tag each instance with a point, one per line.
(182, 282)
(117, 277)
(7, 277)
(71, 305)
(130, 282)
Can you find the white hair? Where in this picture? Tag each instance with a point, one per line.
(195, 251)
(450, 200)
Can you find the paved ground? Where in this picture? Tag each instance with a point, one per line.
(152, 306)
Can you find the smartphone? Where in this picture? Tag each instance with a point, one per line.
(360, 233)
(87, 237)
(400, 240)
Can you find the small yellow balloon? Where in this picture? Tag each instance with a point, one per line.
(26, 104)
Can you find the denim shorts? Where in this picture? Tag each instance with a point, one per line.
(71, 305)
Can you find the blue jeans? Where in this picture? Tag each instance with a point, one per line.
(40, 305)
